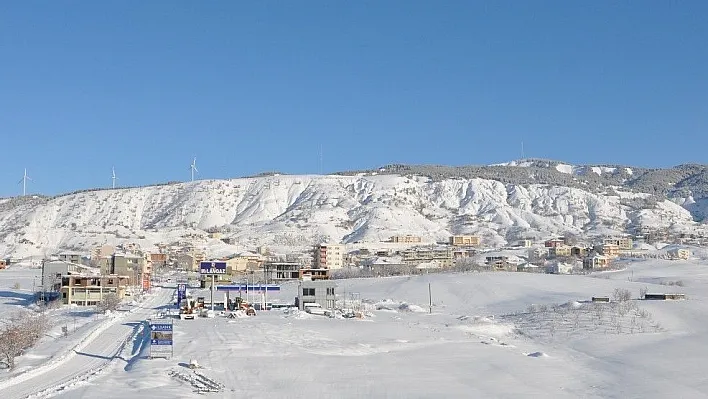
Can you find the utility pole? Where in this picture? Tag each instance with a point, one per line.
(212, 291)
(430, 299)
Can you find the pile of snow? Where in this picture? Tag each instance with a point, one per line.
(485, 327)
(398, 306)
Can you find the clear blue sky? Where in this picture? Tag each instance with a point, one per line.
(250, 86)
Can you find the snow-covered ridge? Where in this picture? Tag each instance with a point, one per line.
(296, 210)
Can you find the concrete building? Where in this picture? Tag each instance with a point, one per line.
(321, 292)
(281, 271)
(595, 261)
(554, 242)
(609, 250)
(415, 256)
(499, 263)
(624, 243)
(537, 254)
(313, 274)
(559, 251)
(101, 252)
(159, 259)
(89, 290)
(328, 256)
(72, 257)
(53, 271)
(132, 266)
(471, 241)
(406, 239)
(245, 261)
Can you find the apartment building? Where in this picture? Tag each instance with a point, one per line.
(441, 255)
(86, 290)
(126, 265)
(609, 250)
(624, 243)
(406, 239)
(328, 256)
(72, 257)
(101, 252)
(53, 271)
(471, 241)
(559, 251)
(554, 242)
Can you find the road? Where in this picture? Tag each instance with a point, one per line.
(94, 354)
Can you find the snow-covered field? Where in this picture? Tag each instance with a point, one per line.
(489, 335)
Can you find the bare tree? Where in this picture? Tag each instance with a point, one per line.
(643, 292)
(110, 302)
(621, 295)
(18, 333)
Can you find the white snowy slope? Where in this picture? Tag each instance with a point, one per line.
(89, 357)
(296, 210)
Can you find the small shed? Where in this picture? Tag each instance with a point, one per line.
(664, 297)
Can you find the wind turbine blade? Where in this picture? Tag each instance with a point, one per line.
(196, 170)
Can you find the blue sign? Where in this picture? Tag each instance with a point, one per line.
(181, 292)
(212, 267)
(161, 327)
(160, 342)
(246, 287)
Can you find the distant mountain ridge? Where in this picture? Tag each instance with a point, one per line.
(502, 203)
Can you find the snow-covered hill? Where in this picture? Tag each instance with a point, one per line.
(285, 210)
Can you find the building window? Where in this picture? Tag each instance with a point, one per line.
(330, 291)
(110, 281)
(308, 292)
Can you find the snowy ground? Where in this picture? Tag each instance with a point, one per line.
(482, 340)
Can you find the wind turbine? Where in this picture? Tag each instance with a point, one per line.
(24, 182)
(114, 178)
(193, 167)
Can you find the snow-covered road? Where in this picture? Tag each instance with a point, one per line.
(92, 355)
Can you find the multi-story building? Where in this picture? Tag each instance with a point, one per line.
(554, 242)
(609, 250)
(281, 271)
(499, 263)
(87, 290)
(537, 254)
(132, 266)
(441, 255)
(559, 251)
(52, 273)
(72, 257)
(406, 239)
(624, 243)
(101, 252)
(472, 241)
(158, 259)
(595, 261)
(328, 256)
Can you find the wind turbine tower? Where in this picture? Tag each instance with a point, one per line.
(24, 182)
(114, 178)
(193, 167)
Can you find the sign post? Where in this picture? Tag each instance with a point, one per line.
(212, 268)
(181, 293)
(161, 343)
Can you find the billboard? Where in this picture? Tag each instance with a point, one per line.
(146, 282)
(209, 267)
(181, 293)
(160, 339)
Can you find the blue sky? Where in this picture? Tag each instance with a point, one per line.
(253, 86)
